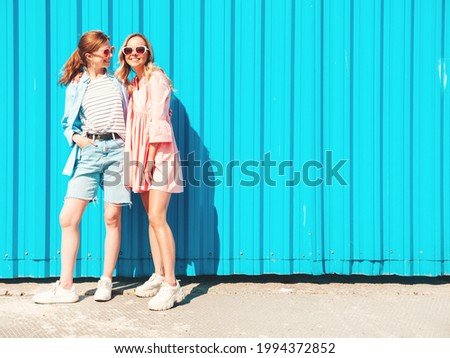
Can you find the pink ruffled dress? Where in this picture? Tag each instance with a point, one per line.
(148, 121)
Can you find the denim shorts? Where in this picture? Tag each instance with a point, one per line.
(100, 165)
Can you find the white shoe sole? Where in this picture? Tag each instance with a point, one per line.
(56, 301)
(168, 305)
(147, 293)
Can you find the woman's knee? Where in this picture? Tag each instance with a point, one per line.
(156, 219)
(71, 213)
(67, 220)
(112, 218)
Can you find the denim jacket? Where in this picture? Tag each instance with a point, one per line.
(71, 121)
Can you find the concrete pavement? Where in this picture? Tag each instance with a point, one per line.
(239, 306)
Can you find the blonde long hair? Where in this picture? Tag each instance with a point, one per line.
(123, 72)
(90, 42)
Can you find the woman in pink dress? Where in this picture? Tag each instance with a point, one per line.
(152, 162)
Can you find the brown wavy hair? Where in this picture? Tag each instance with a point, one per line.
(90, 42)
(123, 72)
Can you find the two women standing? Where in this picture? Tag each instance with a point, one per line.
(101, 133)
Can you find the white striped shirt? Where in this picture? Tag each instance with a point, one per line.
(101, 108)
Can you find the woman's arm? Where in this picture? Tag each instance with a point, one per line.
(148, 171)
(71, 92)
(160, 129)
(72, 131)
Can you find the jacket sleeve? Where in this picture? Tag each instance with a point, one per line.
(75, 127)
(160, 129)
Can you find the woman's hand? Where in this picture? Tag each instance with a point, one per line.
(148, 172)
(83, 142)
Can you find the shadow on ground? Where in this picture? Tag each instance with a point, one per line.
(202, 284)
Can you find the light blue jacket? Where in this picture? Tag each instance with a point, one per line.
(71, 121)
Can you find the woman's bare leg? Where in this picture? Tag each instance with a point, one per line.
(69, 219)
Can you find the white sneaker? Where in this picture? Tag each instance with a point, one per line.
(56, 294)
(166, 298)
(104, 288)
(150, 287)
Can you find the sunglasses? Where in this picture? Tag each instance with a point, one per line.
(108, 51)
(140, 50)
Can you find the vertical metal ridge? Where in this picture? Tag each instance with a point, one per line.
(411, 143)
(202, 69)
(232, 118)
(172, 38)
(203, 193)
(110, 20)
(78, 269)
(79, 18)
(291, 137)
(187, 149)
(262, 94)
(321, 139)
(441, 144)
(141, 16)
(15, 182)
(48, 141)
(183, 219)
(381, 132)
(351, 246)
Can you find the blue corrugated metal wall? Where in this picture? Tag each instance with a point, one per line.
(359, 80)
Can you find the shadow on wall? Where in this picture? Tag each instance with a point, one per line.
(192, 215)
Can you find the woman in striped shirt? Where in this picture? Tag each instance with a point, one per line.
(94, 125)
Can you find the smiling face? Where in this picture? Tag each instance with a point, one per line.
(136, 60)
(101, 58)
